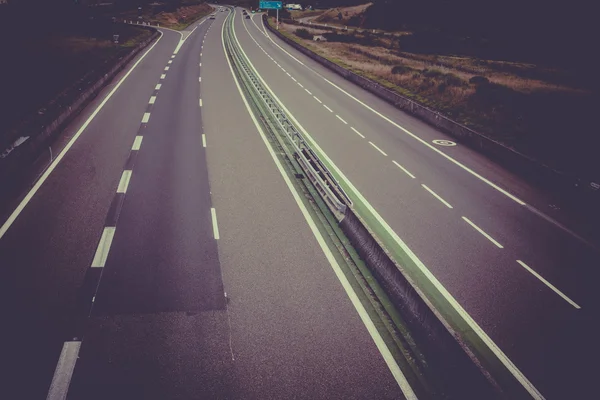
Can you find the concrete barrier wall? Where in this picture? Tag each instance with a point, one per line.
(523, 165)
(42, 129)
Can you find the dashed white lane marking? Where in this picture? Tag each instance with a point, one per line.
(103, 247)
(137, 143)
(318, 99)
(437, 196)
(551, 286)
(170, 62)
(330, 110)
(358, 133)
(478, 229)
(341, 119)
(200, 54)
(145, 118)
(199, 79)
(404, 169)
(166, 68)
(378, 149)
(308, 91)
(64, 371)
(294, 79)
(163, 76)
(203, 140)
(124, 182)
(213, 214)
(288, 74)
(15, 214)
(152, 100)
(200, 102)
(173, 56)
(299, 84)
(158, 86)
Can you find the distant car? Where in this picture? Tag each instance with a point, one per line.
(247, 17)
(212, 16)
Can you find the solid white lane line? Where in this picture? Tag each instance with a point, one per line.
(478, 229)
(436, 196)
(203, 140)
(64, 371)
(404, 169)
(307, 91)
(459, 164)
(200, 102)
(146, 118)
(13, 216)
(316, 98)
(137, 143)
(166, 68)
(358, 133)
(341, 119)
(364, 316)
(330, 110)
(551, 286)
(163, 76)
(124, 182)
(152, 100)
(473, 325)
(213, 214)
(381, 151)
(103, 247)
(158, 86)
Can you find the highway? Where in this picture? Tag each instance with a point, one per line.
(466, 219)
(164, 255)
(210, 283)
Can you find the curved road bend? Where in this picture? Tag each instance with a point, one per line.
(466, 231)
(171, 193)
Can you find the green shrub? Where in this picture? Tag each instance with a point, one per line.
(453, 80)
(479, 80)
(432, 73)
(442, 87)
(401, 69)
(303, 33)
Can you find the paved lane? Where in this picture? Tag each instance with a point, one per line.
(519, 311)
(46, 251)
(160, 326)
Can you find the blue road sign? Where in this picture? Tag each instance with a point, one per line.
(272, 5)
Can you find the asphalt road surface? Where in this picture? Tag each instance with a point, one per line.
(166, 243)
(469, 233)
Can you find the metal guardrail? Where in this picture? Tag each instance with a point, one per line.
(315, 171)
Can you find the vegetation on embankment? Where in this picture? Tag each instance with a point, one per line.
(174, 15)
(58, 47)
(543, 110)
